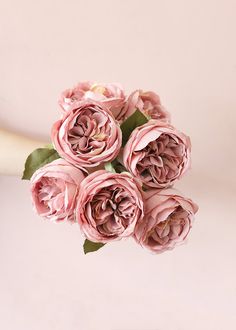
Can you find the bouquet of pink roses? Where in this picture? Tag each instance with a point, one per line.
(111, 167)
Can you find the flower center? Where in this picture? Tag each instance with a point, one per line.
(50, 194)
(160, 160)
(98, 89)
(113, 210)
(89, 133)
(169, 229)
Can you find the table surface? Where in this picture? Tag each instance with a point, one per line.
(183, 50)
(47, 283)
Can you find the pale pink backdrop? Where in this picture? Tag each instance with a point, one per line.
(184, 50)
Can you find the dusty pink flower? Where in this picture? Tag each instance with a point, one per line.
(87, 135)
(147, 102)
(112, 95)
(108, 206)
(167, 221)
(157, 154)
(54, 189)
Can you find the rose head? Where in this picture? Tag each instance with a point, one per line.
(87, 135)
(111, 95)
(54, 189)
(147, 102)
(167, 221)
(157, 154)
(108, 206)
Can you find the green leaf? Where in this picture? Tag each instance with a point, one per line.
(109, 167)
(37, 159)
(49, 146)
(118, 167)
(91, 246)
(135, 120)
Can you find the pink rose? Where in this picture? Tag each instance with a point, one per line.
(112, 95)
(168, 219)
(108, 206)
(147, 102)
(54, 189)
(157, 154)
(87, 135)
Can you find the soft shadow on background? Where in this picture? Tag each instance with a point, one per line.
(185, 51)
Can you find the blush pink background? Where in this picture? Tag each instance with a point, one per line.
(184, 50)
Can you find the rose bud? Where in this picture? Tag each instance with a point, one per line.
(111, 95)
(87, 135)
(147, 102)
(157, 154)
(54, 188)
(108, 206)
(168, 219)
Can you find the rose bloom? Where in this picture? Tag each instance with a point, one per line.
(112, 95)
(87, 135)
(108, 206)
(168, 219)
(147, 102)
(157, 154)
(54, 188)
